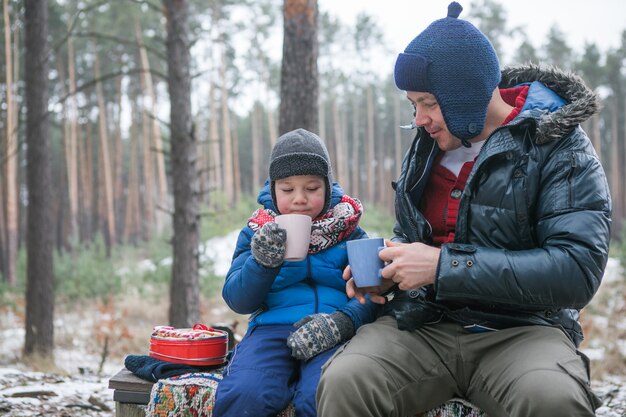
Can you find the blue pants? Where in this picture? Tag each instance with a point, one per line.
(262, 377)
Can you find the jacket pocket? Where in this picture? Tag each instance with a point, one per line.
(581, 375)
(337, 352)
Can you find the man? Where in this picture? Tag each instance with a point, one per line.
(502, 236)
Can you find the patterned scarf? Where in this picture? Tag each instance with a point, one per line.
(327, 230)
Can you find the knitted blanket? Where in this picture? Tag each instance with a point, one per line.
(194, 395)
(454, 408)
(184, 395)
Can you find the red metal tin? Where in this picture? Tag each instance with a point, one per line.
(200, 346)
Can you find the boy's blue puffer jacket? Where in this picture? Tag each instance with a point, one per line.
(286, 294)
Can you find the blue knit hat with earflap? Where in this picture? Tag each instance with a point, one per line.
(455, 62)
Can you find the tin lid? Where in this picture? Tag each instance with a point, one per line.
(198, 332)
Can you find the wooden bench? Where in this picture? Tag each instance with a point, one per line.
(130, 393)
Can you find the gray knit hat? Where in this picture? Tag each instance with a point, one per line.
(300, 152)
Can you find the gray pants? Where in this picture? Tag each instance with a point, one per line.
(532, 371)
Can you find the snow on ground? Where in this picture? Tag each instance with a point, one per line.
(219, 251)
(74, 388)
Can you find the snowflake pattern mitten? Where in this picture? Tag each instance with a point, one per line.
(268, 245)
(319, 332)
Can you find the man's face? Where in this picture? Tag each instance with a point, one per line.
(428, 115)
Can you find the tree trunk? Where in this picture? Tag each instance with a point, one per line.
(299, 84)
(71, 151)
(132, 222)
(381, 152)
(397, 135)
(321, 128)
(184, 290)
(596, 136)
(256, 137)
(148, 174)
(118, 161)
(157, 140)
(39, 336)
(65, 225)
(271, 125)
(86, 185)
(340, 145)
(229, 174)
(105, 159)
(10, 157)
(616, 186)
(3, 234)
(356, 173)
(370, 157)
(619, 225)
(216, 178)
(64, 237)
(397, 156)
(236, 167)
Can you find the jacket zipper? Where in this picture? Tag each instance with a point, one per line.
(311, 283)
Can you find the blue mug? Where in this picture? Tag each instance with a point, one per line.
(365, 264)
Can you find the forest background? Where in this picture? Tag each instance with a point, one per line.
(114, 142)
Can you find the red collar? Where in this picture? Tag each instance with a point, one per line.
(515, 97)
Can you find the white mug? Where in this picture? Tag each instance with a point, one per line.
(298, 227)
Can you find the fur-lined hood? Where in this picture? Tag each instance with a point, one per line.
(582, 102)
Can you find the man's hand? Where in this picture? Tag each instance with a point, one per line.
(410, 265)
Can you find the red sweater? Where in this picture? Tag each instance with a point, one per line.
(440, 201)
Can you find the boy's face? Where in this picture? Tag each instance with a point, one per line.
(300, 194)
(428, 115)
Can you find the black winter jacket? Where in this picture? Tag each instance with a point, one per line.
(533, 227)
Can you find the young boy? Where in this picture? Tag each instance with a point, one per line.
(272, 367)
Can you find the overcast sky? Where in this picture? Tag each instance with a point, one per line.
(599, 21)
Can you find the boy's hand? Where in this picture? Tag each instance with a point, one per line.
(319, 332)
(268, 245)
(376, 294)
